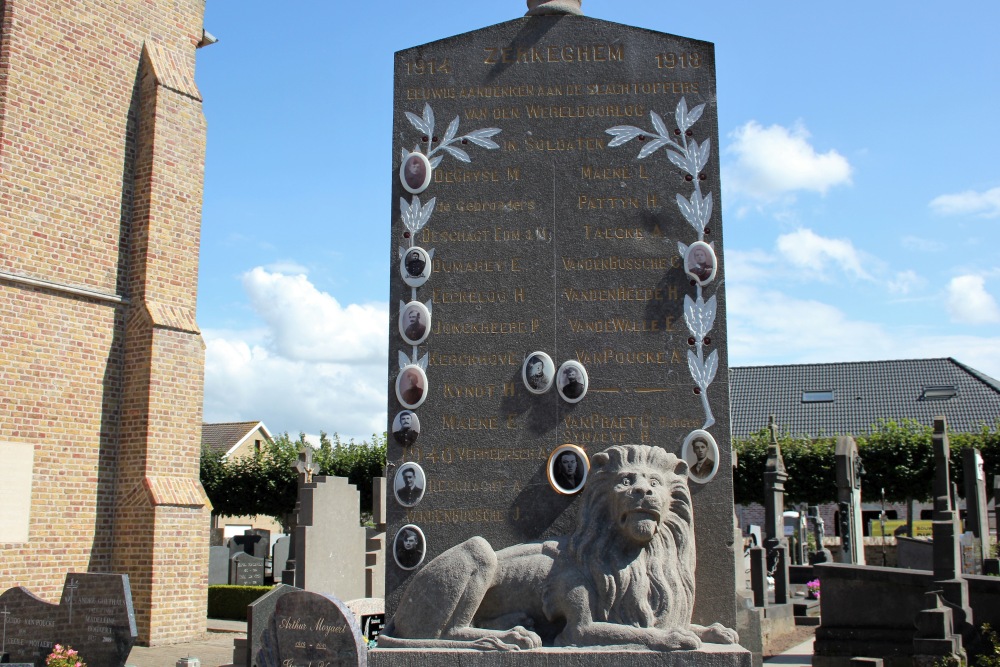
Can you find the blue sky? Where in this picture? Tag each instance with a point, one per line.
(861, 187)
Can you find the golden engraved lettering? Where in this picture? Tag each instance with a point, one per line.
(614, 294)
(614, 203)
(466, 176)
(463, 235)
(471, 390)
(650, 88)
(469, 423)
(595, 437)
(608, 356)
(472, 359)
(490, 92)
(613, 325)
(668, 422)
(545, 111)
(465, 486)
(435, 516)
(597, 420)
(612, 233)
(461, 296)
(426, 94)
(489, 328)
(616, 263)
(477, 266)
(483, 206)
(536, 55)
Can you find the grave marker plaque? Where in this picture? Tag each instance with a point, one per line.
(246, 570)
(572, 209)
(94, 617)
(312, 629)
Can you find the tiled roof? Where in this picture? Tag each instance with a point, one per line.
(223, 437)
(864, 392)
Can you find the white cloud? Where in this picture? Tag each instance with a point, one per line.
(982, 204)
(769, 327)
(774, 161)
(970, 303)
(316, 365)
(904, 282)
(922, 245)
(309, 325)
(813, 254)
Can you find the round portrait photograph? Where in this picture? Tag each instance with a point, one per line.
(405, 428)
(411, 386)
(567, 469)
(415, 173)
(414, 323)
(699, 262)
(408, 547)
(702, 455)
(538, 372)
(415, 267)
(409, 483)
(572, 381)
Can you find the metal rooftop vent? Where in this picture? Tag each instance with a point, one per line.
(818, 396)
(938, 393)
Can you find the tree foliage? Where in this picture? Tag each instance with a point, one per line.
(266, 483)
(897, 457)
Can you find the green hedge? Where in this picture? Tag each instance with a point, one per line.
(231, 601)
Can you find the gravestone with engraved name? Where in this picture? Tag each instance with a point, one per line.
(218, 566)
(565, 198)
(94, 617)
(312, 629)
(246, 570)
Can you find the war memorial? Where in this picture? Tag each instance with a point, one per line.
(557, 276)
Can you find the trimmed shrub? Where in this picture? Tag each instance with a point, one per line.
(231, 602)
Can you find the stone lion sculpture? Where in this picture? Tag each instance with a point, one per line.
(624, 577)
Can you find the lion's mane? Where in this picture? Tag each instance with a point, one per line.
(651, 588)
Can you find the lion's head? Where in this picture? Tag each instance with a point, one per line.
(635, 537)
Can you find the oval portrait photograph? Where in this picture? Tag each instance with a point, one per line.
(415, 173)
(702, 455)
(415, 267)
(411, 386)
(408, 547)
(538, 372)
(572, 381)
(567, 469)
(405, 428)
(414, 323)
(699, 262)
(409, 484)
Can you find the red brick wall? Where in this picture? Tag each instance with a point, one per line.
(101, 169)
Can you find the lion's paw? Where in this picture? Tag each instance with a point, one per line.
(681, 640)
(719, 634)
(515, 639)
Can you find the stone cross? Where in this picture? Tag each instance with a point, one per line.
(849, 471)
(3, 644)
(305, 463)
(775, 477)
(543, 7)
(71, 587)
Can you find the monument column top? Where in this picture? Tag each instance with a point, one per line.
(543, 7)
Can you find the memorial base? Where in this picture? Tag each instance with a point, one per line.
(710, 655)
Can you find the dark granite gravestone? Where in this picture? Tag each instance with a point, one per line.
(575, 174)
(371, 626)
(312, 629)
(94, 617)
(977, 520)
(255, 542)
(246, 570)
(218, 566)
(259, 614)
(279, 556)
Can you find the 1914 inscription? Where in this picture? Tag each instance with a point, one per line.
(548, 235)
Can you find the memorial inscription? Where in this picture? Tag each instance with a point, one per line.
(569, 213)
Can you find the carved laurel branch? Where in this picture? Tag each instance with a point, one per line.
(414, 215)
(405, 361)
(691, 157)
(425, 125)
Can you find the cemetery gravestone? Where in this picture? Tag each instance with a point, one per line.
(312, 629)
(259, 613)
(94, 617)
(330, 543)
(218, 566)
(279, 557)
(849, 471)
(246, 570)
(977, 520)
(567, 206)
(254, 542)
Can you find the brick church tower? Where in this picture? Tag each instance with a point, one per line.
(102, 142)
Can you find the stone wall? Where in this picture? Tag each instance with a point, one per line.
(101, 361)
